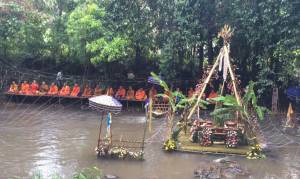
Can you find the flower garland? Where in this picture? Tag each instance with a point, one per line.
(255, 153)
(170, 145)
(231, 139)
(119, 152)
(206, 137)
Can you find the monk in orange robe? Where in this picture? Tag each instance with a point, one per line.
(212, 94)
(130, 94)
(165, 98)
(65, 90)
(13, 88)
(76, 90)
(44, 88)
(25, 88)
(87, 92)
(53, 89)
(190, 93)
(140, 95)
(97, 91)
(152, 92)
(110, 91)
(121, 93)
(34, 87)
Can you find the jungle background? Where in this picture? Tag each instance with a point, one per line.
(174, 38)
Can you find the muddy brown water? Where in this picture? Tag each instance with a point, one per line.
(61, 140)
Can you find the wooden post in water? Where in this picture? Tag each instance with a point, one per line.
(150, 113)
(100, 128)
(110, 130)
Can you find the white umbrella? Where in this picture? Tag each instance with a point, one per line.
(108, 104)
(105, 103)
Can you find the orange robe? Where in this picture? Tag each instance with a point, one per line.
(25, 88)
(65, 91)
(140, 95)
(44, 89)
(75, 91)
(152, 93)
(110, 92)
(13, 88)
(165, 98)
(34, 88)
(98, 91)
(213, 94)
(87, 92)
(130, 95)
(121, 93)
(53, 90)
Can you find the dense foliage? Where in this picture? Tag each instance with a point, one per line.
(174, 37)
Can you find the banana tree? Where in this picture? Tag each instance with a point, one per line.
(230, 107)
(173, 101)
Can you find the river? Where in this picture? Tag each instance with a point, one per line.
(61, 140)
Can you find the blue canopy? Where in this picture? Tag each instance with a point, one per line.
(293, 93)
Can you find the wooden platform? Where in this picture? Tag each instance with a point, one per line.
(185, 145)
(82, 99)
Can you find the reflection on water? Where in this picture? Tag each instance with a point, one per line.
(61, 140)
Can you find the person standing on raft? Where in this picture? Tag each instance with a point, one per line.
(59, 79)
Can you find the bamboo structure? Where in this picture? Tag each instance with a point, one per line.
(226, 34)
(100, 129)
(150, 113)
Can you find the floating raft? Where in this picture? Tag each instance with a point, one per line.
(187, 146)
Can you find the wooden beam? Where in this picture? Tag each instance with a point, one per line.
(204, 87)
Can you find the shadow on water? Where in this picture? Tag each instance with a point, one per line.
(60, 140)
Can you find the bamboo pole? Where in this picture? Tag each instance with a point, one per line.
(204, 87)
(100, 128)
(144, 136)
(150, 113)
(110, 130)
(222, 89)
(237, 96)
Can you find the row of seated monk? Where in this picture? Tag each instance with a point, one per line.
(35, 89)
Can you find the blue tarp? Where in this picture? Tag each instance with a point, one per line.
(293, 93)
(153, 81)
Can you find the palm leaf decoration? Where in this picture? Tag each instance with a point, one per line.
(228, 109)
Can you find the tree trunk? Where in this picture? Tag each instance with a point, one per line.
(181, 59)
(137, 56)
